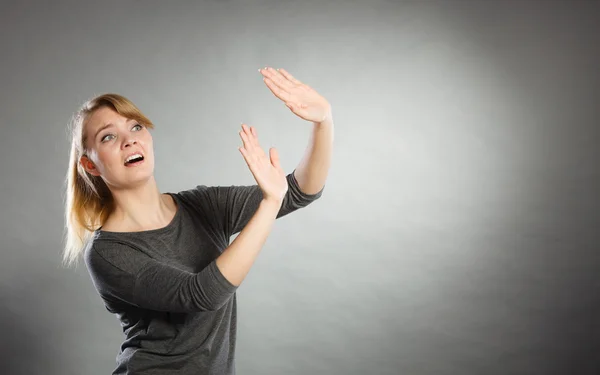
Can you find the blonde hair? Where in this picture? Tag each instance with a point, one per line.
(88, 200)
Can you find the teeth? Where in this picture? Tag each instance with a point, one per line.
(132, 157)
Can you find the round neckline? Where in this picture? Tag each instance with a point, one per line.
(157, 230)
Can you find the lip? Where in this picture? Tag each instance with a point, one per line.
(133, 153)
(135, 164)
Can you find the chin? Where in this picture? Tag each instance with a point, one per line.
(134, 175)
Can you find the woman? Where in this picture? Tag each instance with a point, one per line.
(162, 262)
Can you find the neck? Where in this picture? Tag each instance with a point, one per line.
(140, 208)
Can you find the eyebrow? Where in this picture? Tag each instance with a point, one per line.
(102, 128)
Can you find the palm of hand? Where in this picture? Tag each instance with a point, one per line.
(304, 101)
(266, 170)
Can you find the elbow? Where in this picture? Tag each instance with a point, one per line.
(209, 296)
(209, 290)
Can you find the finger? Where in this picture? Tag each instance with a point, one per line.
(252, 158)
(250, 135)
(254, 151)
(247, 144)
(276, 86)
(278, 92)
(288, 76)
(278, 78)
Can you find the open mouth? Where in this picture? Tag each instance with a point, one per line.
(134, 161)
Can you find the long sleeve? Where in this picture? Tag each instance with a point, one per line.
(231, 207)
(121, 272)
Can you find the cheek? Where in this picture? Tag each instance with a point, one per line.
(147, 138)
(108, 158)
(147, 143)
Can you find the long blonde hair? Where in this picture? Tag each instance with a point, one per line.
(88, 200)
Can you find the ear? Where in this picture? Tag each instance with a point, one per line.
(89, 166)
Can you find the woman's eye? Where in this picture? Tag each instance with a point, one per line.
(136, 125)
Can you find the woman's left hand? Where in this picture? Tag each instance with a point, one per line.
(300, 98)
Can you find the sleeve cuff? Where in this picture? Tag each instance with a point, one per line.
(303, 197)
(223, 283)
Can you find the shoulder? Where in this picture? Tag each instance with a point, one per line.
(213, 200)
(104, 252)
(199, 194)
(112, 274)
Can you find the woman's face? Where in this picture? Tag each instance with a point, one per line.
(110, 139)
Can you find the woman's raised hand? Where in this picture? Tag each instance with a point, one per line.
(266, 169)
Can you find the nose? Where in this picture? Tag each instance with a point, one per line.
(129, 142)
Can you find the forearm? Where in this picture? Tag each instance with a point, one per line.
(311, 172)
(237, 259)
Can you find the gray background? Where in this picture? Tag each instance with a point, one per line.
(458, 231)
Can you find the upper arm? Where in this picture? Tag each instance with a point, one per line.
(232, 207)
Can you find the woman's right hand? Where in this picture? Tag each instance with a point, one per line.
(266, 170)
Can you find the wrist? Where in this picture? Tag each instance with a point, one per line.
(327, 121)
(272, 202)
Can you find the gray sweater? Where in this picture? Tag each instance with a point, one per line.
(177, 311)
